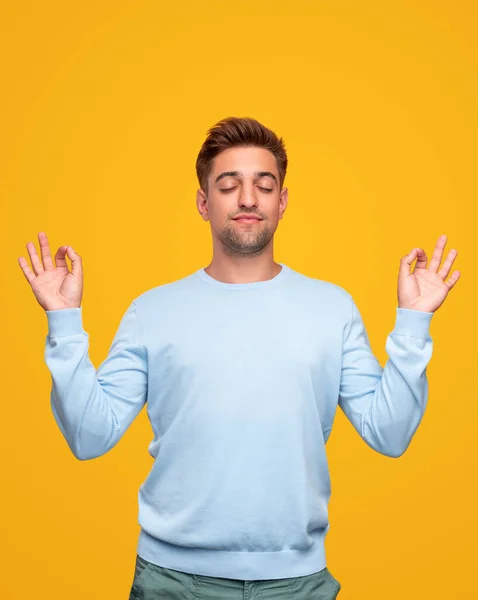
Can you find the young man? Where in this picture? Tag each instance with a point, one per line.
(242, 364)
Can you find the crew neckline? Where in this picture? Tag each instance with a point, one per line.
(244, 286)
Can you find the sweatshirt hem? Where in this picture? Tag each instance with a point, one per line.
(234, 565)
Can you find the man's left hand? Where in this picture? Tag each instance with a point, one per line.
(426, 288)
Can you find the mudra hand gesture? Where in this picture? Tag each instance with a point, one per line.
(426, 288)
(54, 285)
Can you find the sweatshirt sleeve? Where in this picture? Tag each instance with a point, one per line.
(93, 408)
(386, 405)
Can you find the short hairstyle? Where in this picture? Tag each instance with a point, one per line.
(236, 132)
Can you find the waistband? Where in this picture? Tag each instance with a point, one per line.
(235, 565)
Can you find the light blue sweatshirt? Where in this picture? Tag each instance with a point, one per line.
(242, 382)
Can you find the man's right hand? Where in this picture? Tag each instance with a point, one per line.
(55, 287)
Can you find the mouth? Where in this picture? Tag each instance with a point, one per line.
(247, 219)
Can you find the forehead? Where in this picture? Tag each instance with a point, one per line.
(246, 160)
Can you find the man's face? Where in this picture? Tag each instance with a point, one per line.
(244, 182)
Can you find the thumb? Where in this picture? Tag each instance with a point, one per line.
(76, 266)
(406, 263)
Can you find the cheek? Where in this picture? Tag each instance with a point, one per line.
(274, 210)
(218, 217)
(220, 207)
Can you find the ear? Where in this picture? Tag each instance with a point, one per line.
(201, 203)
(284, 196)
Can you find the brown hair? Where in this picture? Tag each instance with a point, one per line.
(233, 132)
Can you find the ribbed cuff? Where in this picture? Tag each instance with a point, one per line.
(414, 323)
(66, 321)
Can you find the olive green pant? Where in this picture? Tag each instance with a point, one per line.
(152, 582)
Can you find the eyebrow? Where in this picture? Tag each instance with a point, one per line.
(239, 174)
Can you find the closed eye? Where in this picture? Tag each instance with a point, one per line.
(263, 189)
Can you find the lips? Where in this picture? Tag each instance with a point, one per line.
(247, 219)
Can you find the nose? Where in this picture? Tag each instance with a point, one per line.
(248, 197)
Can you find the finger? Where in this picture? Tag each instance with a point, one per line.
(422, 259)
(29, 274)
(36, 262)
(60, 255)
(447, 265)
(45, 251)
(453, 279)
(406, 263)
(437, 254)
(76, 266)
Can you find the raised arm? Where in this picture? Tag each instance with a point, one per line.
(386, 405)
(92, 408)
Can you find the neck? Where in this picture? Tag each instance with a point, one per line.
(243, 268)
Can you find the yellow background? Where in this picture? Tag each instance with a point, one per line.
(103, 110)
